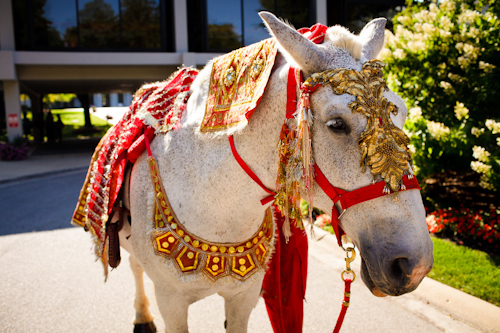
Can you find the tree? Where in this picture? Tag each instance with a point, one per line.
(141, 23)
(45, 34)
(63, 98)
(98, 25)
(222, 37)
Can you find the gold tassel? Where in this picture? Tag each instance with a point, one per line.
(296, 166)
(287, 233)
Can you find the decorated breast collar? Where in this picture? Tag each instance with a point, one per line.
(192, 254)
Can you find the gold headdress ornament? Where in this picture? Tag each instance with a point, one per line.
(384, 147)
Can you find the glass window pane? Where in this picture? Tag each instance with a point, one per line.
(141, 24)
(99, 26)
(224, 25)
(294, 11)
(255, 30)
(55, 23)
(359, 14)
(21, 27)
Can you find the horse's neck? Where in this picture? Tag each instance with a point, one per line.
(210, 193)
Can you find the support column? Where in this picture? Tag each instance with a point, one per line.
(321, 12)
(8, 72)
(180, 26)
(7, 41)
(13, 110)
(113, 99)
(127, 99)
(98, 100)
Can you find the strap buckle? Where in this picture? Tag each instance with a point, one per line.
(348, 260)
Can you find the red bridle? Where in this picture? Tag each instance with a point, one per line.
(347, 199)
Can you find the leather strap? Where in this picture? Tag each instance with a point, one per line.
(345, 305)
(348, 199)
(294, 79)
(250, 173)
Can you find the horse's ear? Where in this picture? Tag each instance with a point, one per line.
(372, 37)
(301, 50)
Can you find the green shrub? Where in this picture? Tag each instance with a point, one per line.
(444, 61)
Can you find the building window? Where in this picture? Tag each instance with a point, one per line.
(93, 25)
(54, 23)
(141, 24)
(99, 25)
(221, 26)
(355, 14)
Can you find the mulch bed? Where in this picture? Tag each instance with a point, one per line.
(455, 189)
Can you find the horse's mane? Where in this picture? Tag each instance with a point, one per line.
(341, 37)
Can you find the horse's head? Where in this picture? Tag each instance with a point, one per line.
(357, 138)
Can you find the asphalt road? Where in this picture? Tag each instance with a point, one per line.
(39, 204)
(50, 281)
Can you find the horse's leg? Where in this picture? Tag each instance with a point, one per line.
(173, 306)
(143, 322)
(143, 318)
(239, 305)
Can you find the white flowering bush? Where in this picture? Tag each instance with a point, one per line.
(444, 60)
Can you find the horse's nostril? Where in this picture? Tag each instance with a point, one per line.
(400, 268)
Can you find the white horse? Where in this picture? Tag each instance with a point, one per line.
(216, 200)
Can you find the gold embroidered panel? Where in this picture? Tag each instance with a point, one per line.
(237, 84)
(384, 147)
(192, 254)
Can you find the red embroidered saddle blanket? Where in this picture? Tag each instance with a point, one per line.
(237, 84)
(156, 108)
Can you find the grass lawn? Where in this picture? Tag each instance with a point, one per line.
(475, 272)
(74, 121)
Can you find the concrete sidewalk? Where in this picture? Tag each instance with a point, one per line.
(42, 165)
(433, 307)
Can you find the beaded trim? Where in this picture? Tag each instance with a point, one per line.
(192, 254)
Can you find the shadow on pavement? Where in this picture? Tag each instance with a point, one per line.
(39, 204)
(67, 146)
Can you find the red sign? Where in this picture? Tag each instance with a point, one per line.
(13, 120)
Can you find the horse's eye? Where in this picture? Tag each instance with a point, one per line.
(336, 125)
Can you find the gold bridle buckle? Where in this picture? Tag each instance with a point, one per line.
(348, 260)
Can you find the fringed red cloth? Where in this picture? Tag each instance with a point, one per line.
(156, 107)
(284, 286)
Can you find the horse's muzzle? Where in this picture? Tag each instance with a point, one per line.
(396, 275)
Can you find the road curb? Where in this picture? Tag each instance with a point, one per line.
(460, 305)
(42, 174)
(452, 302)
